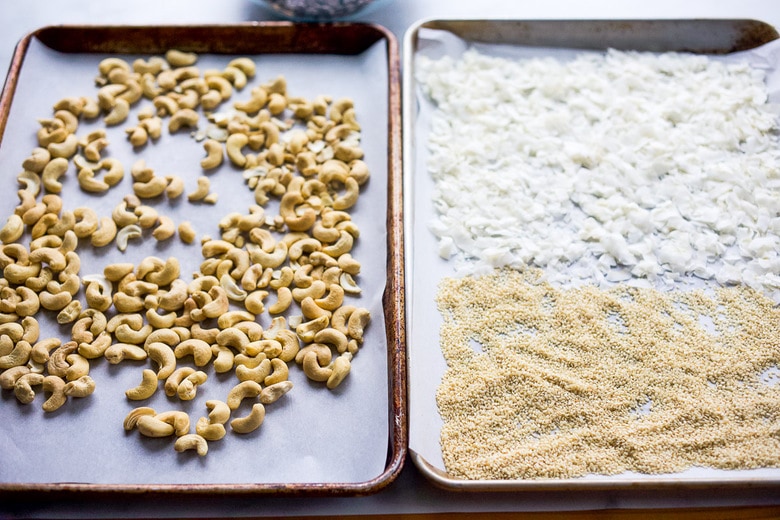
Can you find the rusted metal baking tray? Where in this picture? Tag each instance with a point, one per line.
(425, 268)
(349, 441)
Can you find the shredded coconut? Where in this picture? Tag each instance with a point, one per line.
(616, 167)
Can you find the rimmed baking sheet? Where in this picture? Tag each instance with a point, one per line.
(348, 441)
(437, 38)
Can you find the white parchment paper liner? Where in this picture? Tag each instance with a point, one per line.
(312, 435)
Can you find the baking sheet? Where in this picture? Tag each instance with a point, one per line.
(349, 439)
(727, 40)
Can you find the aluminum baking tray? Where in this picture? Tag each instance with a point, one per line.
(351, 441)
(425, 268)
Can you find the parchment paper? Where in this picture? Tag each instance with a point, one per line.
(311, 435)
(425, 268)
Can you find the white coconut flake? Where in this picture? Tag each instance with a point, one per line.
(662, 166)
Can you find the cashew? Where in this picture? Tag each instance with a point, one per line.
(187, 389)
(186, 232)
(341, 367)
(252, 368)
(145, 389)
(118, 113)
(233, 337)
(87, 222)
(55, 386)
(283, 302)
(125, 234)
(151, 426)
(131, 419)
(204, 184)
(118, 352)
(358, 321)
(12, 230)
(233, 146)
(29, 181)
(333, 337)
(78, 366)
(173, 381)
(198, 349)
(183, 118)
(37, 160)
(52, 172)
(175, 186)
(223, 358)
(105, 233)
(251, 422)
(313, 370)
(150, 189)
(272, 393)
(177, 58)
(23, 387)
(165, 229)
(192, 441)
(280, 372)
(18, 356)
(243, 390)
(9, 376)
(40, 350)
(81, 387)
(163, 355)
(214, 154)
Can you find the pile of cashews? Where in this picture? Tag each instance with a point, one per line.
(310, 162)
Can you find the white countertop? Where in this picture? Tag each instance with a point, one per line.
(411, 492)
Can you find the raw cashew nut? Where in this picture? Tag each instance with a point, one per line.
(105, 233)
(51, 174)
(12, 230)
(145, 389)
(131, 419)
(187, 389)
(183, 118)
(251, 422)
(165, 229)
(233, 146)
(272, 393)
(198, 349)
(9, 376)
(81, 387)
(186, 232)
(357, 323)
(118, 352)
(118, 113)
(178, 419)
(192, 441)
(174, 380)
(313, 370)
(163, 355)
(127, 233)
(23, 387)
(55, 386)
(341, 367)
(18, 356)
(214, 154)
(150, 189)
(151, 426)
(243, 390)
(204, 185)
(177, 58)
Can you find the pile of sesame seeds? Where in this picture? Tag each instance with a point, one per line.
(546, 382)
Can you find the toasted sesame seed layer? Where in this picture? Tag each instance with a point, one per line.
(545, 382)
